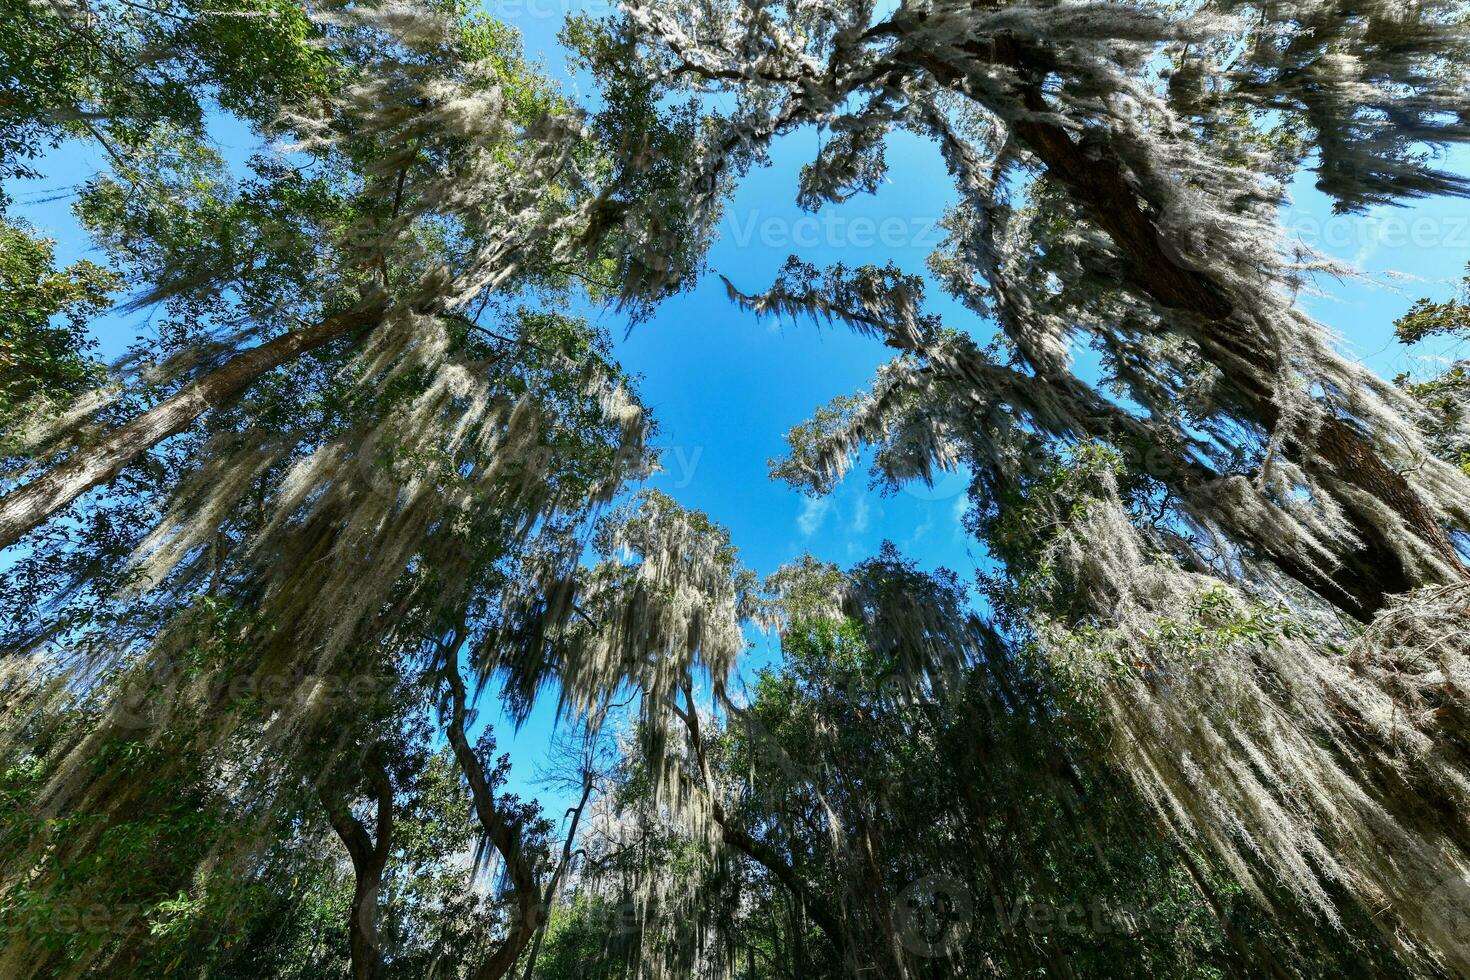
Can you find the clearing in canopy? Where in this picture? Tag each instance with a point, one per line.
(437, 542)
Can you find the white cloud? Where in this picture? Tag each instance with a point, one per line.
(813, 513)
(861, 515)
(923, 529)
(961, 505)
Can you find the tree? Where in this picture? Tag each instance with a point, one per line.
(367, 475)
(113, 72)
(572, 449)
(41, 360)
(1117, 183)
(1443, 396)
(406, 241)
(906, 794)
(1145, 220)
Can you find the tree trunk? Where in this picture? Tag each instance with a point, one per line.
(33, 503)
(501, 829)
(551, 886)
(369, 856)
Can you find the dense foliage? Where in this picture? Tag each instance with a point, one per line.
(365, 479)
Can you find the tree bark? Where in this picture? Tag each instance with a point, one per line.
(503, 830)
(369, 855)
(33, 503)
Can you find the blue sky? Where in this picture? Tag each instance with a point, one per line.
(725, 388)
